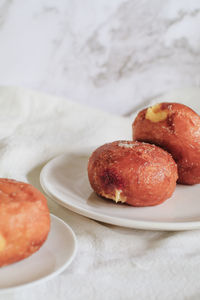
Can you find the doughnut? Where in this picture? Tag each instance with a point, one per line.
(135, 173)
(24, 220)
(176, 128)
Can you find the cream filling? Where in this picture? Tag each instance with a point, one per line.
(117, 198)
(155, 114)
(2, 242)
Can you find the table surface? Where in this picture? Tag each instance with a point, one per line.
(110, 54)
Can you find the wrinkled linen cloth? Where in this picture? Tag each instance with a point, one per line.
(112, 262)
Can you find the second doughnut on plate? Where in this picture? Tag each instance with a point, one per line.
(175, 128)
(65, 180)
(135, 173)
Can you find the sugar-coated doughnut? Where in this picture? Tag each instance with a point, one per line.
(24, 220)
(176, 128)
(135, 173)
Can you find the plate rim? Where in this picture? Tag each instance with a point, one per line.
(134, 224)
(52, 274)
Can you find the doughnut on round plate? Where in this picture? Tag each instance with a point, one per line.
(52, 258)
(65, 180)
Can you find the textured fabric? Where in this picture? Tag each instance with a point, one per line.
(112, 262)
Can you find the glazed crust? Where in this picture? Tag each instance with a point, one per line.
(178, 133)
(24, 220)
(136, 173)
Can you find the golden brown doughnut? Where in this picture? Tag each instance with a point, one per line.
(176, 128)
(136, 173)
(24, 220)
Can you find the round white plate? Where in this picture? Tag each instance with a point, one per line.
(65, 180)
(52, 258)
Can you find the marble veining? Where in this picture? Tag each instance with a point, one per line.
(113, 55)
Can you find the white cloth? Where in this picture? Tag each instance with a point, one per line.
(112, 262)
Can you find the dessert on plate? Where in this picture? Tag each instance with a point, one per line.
(24, 220)
(132, 172)
(176, 128)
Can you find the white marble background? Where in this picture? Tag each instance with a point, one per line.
(112, 54)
